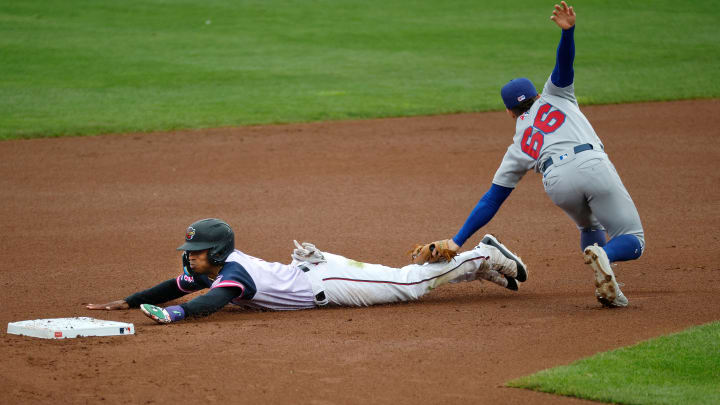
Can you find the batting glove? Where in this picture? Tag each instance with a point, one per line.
(163, 315)
(307, 252)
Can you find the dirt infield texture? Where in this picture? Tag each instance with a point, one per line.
(93, 219)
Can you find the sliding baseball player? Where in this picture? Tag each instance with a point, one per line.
(313, 278)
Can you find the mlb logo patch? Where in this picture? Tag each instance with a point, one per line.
(561, 157)
(521, 97)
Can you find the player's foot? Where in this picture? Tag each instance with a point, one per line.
(620, 300)
(500, 279)
(607, 290)
(511, 283)
(481, 263)
(505, 261)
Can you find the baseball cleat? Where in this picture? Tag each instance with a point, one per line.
(500, 279)
(522, 271)
(511, 283)
(607, 290)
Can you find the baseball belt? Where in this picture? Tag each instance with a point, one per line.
(317, 285)
(579, 148)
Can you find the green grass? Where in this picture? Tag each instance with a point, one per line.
(93, 66)
(682, 368)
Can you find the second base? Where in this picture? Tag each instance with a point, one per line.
(65, 328)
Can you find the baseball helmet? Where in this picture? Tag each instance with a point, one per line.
(516, 91)
(212, 234)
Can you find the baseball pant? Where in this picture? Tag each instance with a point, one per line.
(350, 283)
(588, 188)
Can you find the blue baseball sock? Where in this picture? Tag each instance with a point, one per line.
(591, 236)
(623, 247)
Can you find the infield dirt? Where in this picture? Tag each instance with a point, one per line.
(93, 219)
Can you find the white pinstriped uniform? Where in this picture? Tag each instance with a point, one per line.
(342, 281)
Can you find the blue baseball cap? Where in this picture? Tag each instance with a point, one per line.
(517, 90)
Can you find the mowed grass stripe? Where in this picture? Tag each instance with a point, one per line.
(682, 368)
(87, 66)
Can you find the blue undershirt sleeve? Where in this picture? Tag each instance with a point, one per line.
(563, 74)
(211, 302)
(163, 292)
(483, 212)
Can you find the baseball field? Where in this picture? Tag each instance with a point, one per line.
(363, 127)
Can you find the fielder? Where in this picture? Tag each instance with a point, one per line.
(553, 137)
(313, 278)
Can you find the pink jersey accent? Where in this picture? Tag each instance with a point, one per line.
(229, 283)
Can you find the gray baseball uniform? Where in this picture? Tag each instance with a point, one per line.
(582, 181)
(553, 137)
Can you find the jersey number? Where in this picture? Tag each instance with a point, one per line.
(532, 143)
(546, 122)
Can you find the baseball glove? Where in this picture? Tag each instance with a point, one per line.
(432, 252)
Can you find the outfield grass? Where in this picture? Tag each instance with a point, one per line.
(89, 66)
(682, 368)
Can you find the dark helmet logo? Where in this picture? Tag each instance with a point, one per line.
(190, 233)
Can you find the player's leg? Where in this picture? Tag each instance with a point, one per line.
(592, 194)
(560, 186)
(591, 236)
(611, 203)
(351, 283)
(572, 187)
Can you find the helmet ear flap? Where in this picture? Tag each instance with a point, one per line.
(186, 265)
(224, 247)
(214, 257)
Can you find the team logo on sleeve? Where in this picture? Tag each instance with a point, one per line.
(190, 233)
(216, 281)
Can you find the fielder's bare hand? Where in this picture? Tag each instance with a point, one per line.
(119, 304)
(563, 16)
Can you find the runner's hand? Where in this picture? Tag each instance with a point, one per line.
(119, 304)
